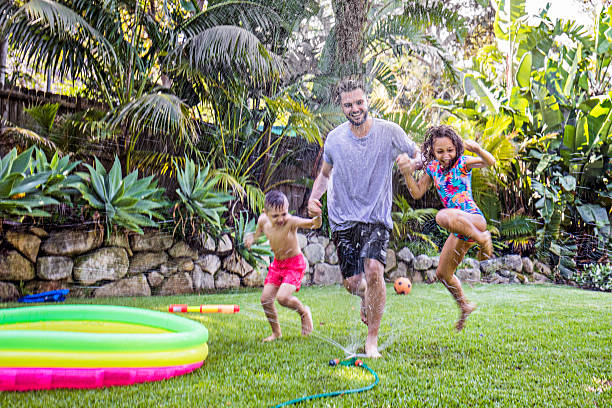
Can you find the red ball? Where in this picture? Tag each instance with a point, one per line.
(402, 286)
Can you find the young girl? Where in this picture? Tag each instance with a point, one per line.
(451, 173)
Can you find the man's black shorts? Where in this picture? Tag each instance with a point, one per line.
(360, 241)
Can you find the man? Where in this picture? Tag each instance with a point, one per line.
(358, 161)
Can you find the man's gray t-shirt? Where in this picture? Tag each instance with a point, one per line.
(359, 188)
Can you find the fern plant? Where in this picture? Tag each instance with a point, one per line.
(519, 232)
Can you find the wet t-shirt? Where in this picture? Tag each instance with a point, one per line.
(359, 188)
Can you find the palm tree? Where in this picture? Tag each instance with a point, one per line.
(125, 51)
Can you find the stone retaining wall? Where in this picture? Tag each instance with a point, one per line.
(35, 261)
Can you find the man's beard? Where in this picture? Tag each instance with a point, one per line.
(354, 123)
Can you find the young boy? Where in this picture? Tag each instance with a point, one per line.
(286, 272)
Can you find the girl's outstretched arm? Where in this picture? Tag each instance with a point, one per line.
(484, 159)
(407, 166)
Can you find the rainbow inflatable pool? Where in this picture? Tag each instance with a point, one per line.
(89, 346)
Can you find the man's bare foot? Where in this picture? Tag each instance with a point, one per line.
(272, 337)
(364, 312)
(371, 349)
(306, 322)
(486, 245)
(466, 309)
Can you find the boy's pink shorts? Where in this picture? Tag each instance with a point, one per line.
(290, 270)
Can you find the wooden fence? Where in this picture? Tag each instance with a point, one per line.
(14, 101)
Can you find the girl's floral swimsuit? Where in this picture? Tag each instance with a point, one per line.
(454, 187)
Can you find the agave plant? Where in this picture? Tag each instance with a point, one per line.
(259, 251)
(199, 205)
(127, 202)
(20, 186)
(60, 182)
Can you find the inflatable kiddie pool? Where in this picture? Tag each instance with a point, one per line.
(90, 346)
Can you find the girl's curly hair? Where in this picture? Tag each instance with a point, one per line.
(437, 132)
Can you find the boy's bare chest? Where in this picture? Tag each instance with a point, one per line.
(278, 235)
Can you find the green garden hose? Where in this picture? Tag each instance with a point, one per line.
(348, 363)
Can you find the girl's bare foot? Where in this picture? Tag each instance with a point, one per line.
(466, 309)
(306, 322)
(272, 337)
(486, 245)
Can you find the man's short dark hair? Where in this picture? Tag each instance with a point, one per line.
(349, 85)
(275, 199)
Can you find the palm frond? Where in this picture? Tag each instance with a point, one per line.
(393, 31)
(410, 120)
(248, 14)
(229, 51)
(44, 115)
(39, 20)
(156, 162)
(436, 14)
(518, 226)
(160, 114)
(28, 137)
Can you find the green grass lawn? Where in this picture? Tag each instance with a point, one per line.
(525, 346)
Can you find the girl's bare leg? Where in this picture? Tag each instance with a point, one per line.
(285, 298)
(451, 256)
(268, 295)
(469, 225)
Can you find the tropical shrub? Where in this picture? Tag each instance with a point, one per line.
(129, 202)
(553, 101)
(519, 233)
(596, 277)
(408, 222)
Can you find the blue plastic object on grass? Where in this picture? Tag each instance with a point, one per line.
(50, 296)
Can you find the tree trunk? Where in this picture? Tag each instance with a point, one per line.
(351, 17)
(3, 61)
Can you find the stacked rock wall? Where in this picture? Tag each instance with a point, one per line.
(155, 263)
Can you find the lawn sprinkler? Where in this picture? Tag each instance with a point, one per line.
(204, 309)
(347, 362)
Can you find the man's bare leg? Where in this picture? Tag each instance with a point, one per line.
(375, 299)
(356, 285)
(285, 298)
(363, 287)
(268, 295)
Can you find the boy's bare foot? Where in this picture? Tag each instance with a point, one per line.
(272, 338)
(371, 348)
(466, 309)
(306, 322)
(364, 312)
